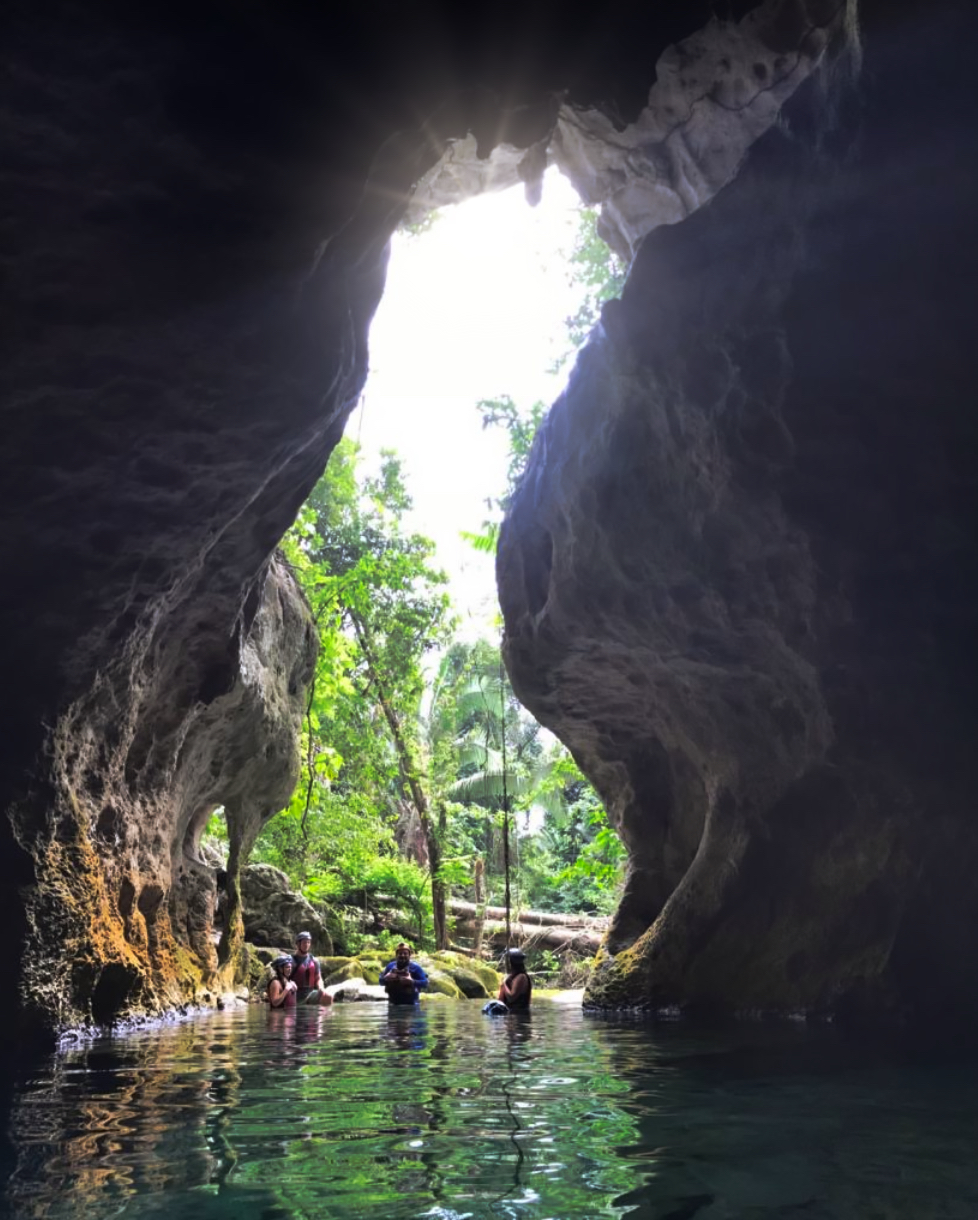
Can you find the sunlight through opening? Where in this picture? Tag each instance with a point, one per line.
(475, 307)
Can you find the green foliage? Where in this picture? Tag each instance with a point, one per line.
(380, 606)
(576, 862)
(424, 224)
(521, 429)
(594, 265)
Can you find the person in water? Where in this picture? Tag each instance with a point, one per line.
(517, 987)
(306, 973)
(403, 979)
(281, 989)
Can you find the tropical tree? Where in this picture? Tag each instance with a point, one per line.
(380, 606)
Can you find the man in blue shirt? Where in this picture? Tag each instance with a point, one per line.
(403, 979)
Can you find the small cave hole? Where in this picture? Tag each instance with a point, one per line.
(108, 824)
(113, 991)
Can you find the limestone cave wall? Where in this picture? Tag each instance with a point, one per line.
(719, 520)
(739, 577)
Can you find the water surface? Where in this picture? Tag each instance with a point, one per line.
(446, 1113)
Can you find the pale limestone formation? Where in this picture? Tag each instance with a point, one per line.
(715, 93)
(125, 905)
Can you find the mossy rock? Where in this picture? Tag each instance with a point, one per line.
(330, 964)
(435, 997)
(442, 984)
(474, 979)
(344, 969)
(471, 986)
(336, 929)
(254, 968)
(369, 971)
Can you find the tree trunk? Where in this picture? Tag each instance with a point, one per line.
(438, 896)
(584, 940)
(480, 898)
(470, 911)
(412, 777)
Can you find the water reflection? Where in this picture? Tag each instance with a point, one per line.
(444, 1113)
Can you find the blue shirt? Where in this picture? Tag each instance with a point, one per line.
(403, 993)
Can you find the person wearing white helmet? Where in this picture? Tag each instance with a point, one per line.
(306, 973)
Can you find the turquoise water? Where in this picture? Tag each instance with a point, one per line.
(449, 1114)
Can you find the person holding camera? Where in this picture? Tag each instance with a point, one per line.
(403, 979)
(281, 989)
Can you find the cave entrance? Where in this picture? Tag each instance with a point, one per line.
(426, 789)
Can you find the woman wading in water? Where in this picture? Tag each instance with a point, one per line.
(281, 989)
(517, 987)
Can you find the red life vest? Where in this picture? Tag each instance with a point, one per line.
(305, 971)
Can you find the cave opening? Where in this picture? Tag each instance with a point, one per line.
(486, 303)
(699, 513)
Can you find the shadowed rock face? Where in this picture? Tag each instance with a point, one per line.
(739, 577)
(196, 206)
(274, 915)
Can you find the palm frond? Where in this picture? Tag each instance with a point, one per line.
(488, 786)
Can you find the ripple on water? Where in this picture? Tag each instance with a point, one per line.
(448, 1114)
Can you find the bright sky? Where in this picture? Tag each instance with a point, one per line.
(473, 309)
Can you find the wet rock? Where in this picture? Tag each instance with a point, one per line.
(119, 873)
(339, 970)
(357, 990)
(474, 979)
(441, 983)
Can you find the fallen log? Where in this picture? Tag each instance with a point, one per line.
(548, 919)
(534, 936)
